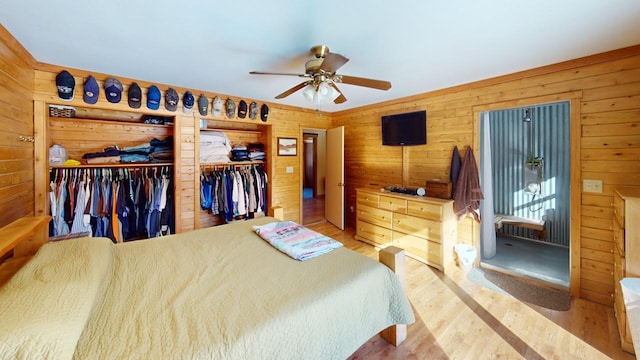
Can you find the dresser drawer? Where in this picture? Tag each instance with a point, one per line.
(419, 227)
(367, 198)
(374, 216)
(620, 311)
(425, 210)
(376, 234)
(618, 238)
(393, 204)
(618, 209)
(419, 248)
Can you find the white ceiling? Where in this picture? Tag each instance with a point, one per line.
(418, 45)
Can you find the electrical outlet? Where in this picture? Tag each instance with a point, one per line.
(593, 186)
(289, 170)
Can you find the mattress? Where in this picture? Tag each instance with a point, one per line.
(215, 293)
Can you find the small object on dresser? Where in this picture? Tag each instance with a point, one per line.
(439, 189)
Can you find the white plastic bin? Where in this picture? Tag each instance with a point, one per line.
(466, 256)
(57, 155)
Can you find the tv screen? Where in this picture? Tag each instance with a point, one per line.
(405, 129)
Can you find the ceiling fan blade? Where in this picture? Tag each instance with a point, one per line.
(276, 73)
(333, 62)
(340, 99)
(292, 90)
(371, 83)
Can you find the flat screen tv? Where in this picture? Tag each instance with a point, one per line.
(405, 129)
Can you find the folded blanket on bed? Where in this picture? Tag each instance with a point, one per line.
(296, 240)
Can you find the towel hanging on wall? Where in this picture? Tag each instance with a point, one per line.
(467, 196)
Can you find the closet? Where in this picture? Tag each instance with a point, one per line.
(118, 181)
(91, 128)
(251, 176)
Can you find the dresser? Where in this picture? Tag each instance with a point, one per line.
(424, 226)
(626, 238)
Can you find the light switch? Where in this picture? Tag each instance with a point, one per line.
(289, 169)
(593, 186)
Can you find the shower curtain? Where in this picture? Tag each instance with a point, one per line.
(487, 226)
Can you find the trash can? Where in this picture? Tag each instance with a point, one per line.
(466, 256)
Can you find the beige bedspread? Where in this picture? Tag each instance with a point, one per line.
(217, 293)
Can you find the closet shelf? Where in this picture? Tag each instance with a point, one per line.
(239, 131)
(233, 163)
(113, 165)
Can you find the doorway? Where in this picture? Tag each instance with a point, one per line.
(530, 189)
(314, 167)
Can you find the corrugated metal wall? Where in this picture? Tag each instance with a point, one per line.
(510, 140)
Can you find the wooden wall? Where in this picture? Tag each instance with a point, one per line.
(604, 91)
(16, 120)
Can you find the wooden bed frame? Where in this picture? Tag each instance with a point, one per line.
(26, 235)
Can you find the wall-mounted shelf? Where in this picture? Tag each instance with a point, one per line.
(233, 163)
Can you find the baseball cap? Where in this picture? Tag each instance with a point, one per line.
(203, 105)
(65, 84)
(187, 102)
(231, 108)
(171, 99)
(264, 112)
(153, 97)
(253, 110)
(91, 90)
(216, 110)
(113, 90)
(242, 109)
(134, 96)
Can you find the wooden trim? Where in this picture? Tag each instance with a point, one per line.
(196, 178)
(575, 235)
(16, 47)
(41, 162)
(574, 98)
(543, 70)
(177, 171)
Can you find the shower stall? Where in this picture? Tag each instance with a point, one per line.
(530, 190)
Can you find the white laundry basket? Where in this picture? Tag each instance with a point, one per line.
(466, 256)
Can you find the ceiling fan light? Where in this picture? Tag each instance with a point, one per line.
(324, 89)
(309, 92)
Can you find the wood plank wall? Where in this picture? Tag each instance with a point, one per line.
(604, 90)
(16, 119)
(605, 94)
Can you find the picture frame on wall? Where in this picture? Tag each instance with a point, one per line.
(287, 146)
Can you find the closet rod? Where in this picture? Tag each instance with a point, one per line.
(114, 165)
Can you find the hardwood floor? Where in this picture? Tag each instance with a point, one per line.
(458, 319)
(312, 210)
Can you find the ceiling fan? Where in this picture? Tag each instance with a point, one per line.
(322, 77)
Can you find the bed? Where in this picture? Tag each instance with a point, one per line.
(215, 293)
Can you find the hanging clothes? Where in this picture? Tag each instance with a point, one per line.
(118, 203)
(234, 193)
(466, 199)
